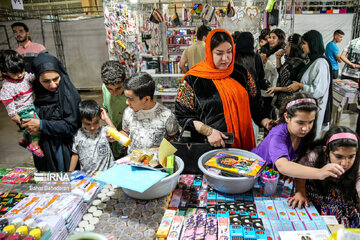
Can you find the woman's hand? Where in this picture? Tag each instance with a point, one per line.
(295, 86)
(31, 125)
(298, 200)
(267, 123)
(271, 90)
(16, 119)
(330, 170)
(280, 53)
(264, 58)
(216, 138)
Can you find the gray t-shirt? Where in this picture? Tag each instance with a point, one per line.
(147, 128)
(93, 149)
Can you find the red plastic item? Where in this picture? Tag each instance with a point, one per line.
(14, 237)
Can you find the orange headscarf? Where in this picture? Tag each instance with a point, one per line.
(234, 97)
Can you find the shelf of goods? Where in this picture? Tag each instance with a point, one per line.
(166, 88)
(177, 39)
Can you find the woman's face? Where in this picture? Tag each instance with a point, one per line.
(50, 80)
(300, 124)
(273, 40)
(305, 47)
(287, 48)
(344, 156)
(222, 55)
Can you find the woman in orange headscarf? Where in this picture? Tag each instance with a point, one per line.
(214, 101)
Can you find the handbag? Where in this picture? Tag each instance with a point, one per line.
(190, 152)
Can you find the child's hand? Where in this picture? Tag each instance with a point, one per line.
(298, 200)
(330, 170)
(110, 138)
(16, 119)
(104, 115)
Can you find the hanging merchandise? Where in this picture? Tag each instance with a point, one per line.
(230, 9)
(121, 29)
(274, 16)
(207, 13)
(156, 16)
(270, 5)
(196, 9)
(176, 19)
(252, 12)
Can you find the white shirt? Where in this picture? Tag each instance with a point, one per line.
(147, 128)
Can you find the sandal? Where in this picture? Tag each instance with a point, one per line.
(24, 143)
(35, 150)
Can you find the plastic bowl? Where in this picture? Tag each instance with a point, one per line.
(162, 188)
(227, 184)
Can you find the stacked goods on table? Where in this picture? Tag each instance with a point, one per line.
(197, 211)
(114, 214)
(235, 165)
(68, 207)
(16, 175)
(8, 200)
(59, 211)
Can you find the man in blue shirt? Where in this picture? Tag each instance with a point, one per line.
(332, 52)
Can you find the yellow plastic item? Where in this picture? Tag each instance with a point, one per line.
(333, 236)
(35, 234)
(9, 230)
(124, 140)
(22, 231)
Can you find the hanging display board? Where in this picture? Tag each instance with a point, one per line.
(122, 34)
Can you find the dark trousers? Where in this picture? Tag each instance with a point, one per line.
(335, 74)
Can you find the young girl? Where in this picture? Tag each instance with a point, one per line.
(16, 94)
(288, 139)
(334, 196)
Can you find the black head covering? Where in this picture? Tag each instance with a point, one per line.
(245, 43)
(46, 62)
(59, 114)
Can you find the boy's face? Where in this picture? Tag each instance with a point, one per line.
(115, 89)
(92, 125)
(134, 102)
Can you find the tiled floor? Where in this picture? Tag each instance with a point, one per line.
(11, 154)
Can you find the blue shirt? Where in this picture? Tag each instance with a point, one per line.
(330, 52)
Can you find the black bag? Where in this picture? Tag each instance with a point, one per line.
(274, 16)
(190, 152)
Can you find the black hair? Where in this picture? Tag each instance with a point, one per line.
(295, 45)
(339, 32)
(88, 109)
(247, 60)
(112, 72)
(347, 181)
(316, 45)
(301, 107)
(235, 35)
(11, 61)
(280, 34)
(202, 31)
(219, 38)
(263, 34)
(20, 24)
(142, 84)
